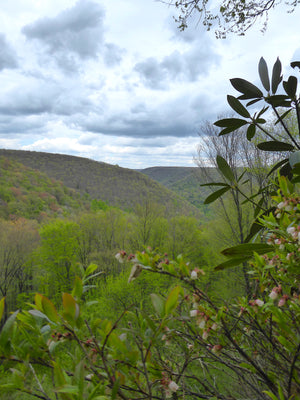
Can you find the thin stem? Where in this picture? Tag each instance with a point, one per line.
(285, 127)
(38, 382)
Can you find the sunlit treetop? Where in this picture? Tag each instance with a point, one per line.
(229, 16)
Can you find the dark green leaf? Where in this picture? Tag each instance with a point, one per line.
(277, 165)
(276, 75)
(251, 132)
(172, 300)
(225, 168)
(257, 226)
(264, 74)
(230, 123)
(286, 171)
(247, 250)
(275, 145)
(249, 90)
(249, 102)
(214, 184)
(237, 106)
(231, 263)
(295, 64)
(290, 86)
(278, 101)
(215, 195)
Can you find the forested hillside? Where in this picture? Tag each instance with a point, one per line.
(185, 181)
(116, 186)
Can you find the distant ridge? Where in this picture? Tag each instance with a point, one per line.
(120, 187)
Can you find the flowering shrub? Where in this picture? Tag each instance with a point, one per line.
(190, 347)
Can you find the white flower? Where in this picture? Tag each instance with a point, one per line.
(273, 295)
(119, 257)
(290, 230)
(214, 326)
(259, 302)
(280, 205)
(193, 313)
(135, 272)
(194, 275)
(202, 324)
(173, 386)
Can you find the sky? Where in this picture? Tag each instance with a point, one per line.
(116, 81)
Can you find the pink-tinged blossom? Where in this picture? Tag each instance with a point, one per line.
(259, 302)
(214, 326)
(194, 313)
(283, 300)
(173, 386)
(205, 335)
(217, 348)
(202, 324)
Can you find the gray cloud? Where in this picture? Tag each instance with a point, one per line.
(179, 66)
(8, 56)
(74, 35)
(152, 72)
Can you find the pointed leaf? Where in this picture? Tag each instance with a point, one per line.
(215, 195)
(225, 168)
(214, 184)
(276, 75)
(251, 132)
(247, 249)
(172, 300)
(90, 269)
(234, 123)
(237, 106)
(274, 145)
(231, 263)
(277, 165)
(264, 74)
(158, 304)
(249, 90)
(49, 309)
(78, 288)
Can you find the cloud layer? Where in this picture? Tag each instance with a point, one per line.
(114, 82)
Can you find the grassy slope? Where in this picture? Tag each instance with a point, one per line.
(116, 186)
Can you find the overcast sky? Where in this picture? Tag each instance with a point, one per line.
(116, 81)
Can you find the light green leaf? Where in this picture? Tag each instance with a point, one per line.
(78, 288)
(158, 304)
(49, 309)
(172, 300)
